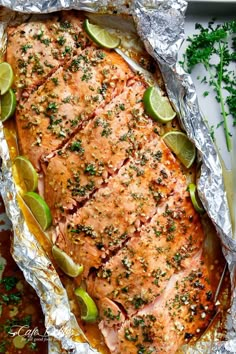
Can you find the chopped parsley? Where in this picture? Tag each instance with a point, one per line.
(90, 169)
(55, 81)
(52, 107)
(9, 282)
(76, 146)
(65, 25)
(61, 40)
(25, 47)
(46, 41)
(109, 314)
(87, 230)
(213, 42)
(12, 298)
(138, 301)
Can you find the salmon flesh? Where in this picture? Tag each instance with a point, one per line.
(117, 194)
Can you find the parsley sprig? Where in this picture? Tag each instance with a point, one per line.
(215, 48)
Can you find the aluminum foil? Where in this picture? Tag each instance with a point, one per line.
(161, 30)
(160, 24)
(60, 323)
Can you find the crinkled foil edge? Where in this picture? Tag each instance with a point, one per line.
(160, 24)
(39, 272)
(162, 30)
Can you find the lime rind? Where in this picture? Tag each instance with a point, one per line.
(183, 148)
(26, 173)
(194, 198)
(8, 105)
(39, 209)
(158, 107)
(66, 263)
(6, 77)
(89, 311)
(100, 36)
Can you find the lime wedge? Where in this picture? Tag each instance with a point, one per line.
(157, 106)
(8, 105)
(26, 173)
(39, 208)
(89, 311)
(66, 263)
(183, 148)
(100, 36)
(195, 199)
(6, 77)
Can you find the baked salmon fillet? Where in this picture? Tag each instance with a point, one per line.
(67, 99)
(36, 49)
(97, 152)
(118, 210)
(117, 194)
(178, 315)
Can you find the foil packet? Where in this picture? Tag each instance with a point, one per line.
(160, 25)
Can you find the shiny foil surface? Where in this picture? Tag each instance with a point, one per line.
(160, 25)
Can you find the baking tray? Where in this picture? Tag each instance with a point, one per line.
(208, 8)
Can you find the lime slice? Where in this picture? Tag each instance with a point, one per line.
(194, 198)
(89, 311)
(8, 105)
(183, 148)
(39, 208)
(26, 173)
(101, 36)
(6, 77)
(19, 342)
(66, 263)
(157, 106)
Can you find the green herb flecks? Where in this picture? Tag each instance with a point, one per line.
(76, 146)
(90, 169)
(25, 47)
(9, 282)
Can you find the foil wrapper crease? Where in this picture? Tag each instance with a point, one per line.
(160, 25)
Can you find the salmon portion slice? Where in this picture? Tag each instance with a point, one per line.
(179, 315)
(68, 35)
(37, 48)
(140, 271)
(69, 98)
(97, 151)
(29, 52)
(117, 211)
